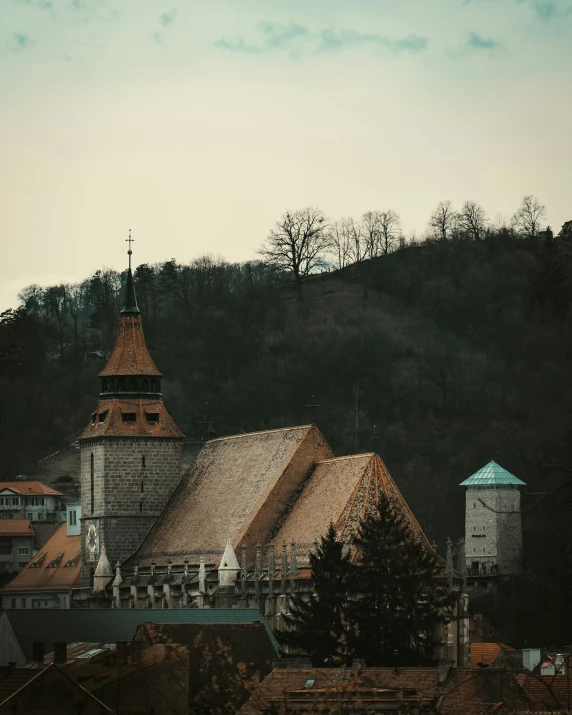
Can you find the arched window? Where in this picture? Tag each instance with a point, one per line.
(92, 480)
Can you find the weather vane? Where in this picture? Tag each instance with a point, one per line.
(129, 252)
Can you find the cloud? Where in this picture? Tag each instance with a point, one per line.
(478, 42)
(20, 42)
(299, 40)
(547, 11)
(166, 19)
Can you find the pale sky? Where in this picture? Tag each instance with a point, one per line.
(196, 124)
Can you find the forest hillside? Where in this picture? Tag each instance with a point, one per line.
(439, 356)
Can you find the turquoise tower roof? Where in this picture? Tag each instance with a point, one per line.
(492, 474)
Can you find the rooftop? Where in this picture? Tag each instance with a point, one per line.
(16, 527)
(147, 418)
(492, 474)
(55, 567)
(29, 488)
(130, 355)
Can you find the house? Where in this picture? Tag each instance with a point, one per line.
(458, 691)
(22, 499)
(16, 545)
(47, 580)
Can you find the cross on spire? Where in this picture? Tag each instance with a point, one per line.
(129, 252)
(209, 422)
(313, 407)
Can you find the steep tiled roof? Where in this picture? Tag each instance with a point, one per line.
(130, 355)
(113, 424)
(236, 488)
(104, 625)
(16, 527)
(339, 491)
(463, 691)
(32, 488)
(38, 575)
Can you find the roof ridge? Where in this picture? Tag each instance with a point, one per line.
(268, 431)
(348, 456)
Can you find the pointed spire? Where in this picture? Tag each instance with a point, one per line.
(103, 573)
(129, 298)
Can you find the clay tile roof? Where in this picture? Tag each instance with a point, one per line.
(462, 691)
(547, 692)
(236, 486)
(488, 653)
(113, 424)
(32, 488)
(16, 527)
(38, 576)
(130, 355)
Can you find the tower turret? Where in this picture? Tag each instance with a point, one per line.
(493, 525)
(130, 450)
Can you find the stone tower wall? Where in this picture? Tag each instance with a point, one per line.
(510, 532)
(129, 492)
(490, 534)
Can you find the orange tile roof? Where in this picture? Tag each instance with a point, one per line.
(26, 488)
(130, 355)
(38, 576)
(16, 527)
(487, 653)
(114, 426)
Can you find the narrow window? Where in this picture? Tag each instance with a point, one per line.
(92, 482)
(129, 416)
(102, 416)
(91, 574)
(143, 464)
(23, 603)
(140, 506)
(142, 487)
(152, 418)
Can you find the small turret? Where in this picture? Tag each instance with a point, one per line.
(229, 567)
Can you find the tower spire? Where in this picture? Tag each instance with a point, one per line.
(130, 299)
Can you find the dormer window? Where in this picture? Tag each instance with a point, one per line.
(102, 416)
(152, 418)
(93, 418)
(129, 416)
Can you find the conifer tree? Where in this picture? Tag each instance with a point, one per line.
(317, 626)
(397, 602)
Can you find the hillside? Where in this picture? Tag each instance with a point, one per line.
(458, 353)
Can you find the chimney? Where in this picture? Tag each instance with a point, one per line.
(60, 653)
(121, 652)
(38, 652)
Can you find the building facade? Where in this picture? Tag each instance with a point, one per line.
(493, 526)
(32, 500)
(130, 450)
(16, 545)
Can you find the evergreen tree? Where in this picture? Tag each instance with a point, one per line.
(317, 626)
(397, 602)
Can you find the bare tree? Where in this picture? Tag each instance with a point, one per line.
(341, 243)
(528, 218)
(473, 220)
(370, 223)
(443, 220)
(390, 228)
(297, 243)
(355, 236)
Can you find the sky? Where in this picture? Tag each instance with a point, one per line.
(197, 124)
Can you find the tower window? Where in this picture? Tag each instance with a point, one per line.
(129, 416)
(152, 418)
(133, 384)
(92, 480)
(143, 462)
(102, 416)
(93, 418)
(140, 506)
(142, 487)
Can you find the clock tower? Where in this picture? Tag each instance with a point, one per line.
(130, 450)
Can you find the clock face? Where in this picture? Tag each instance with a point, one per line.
(92, 540)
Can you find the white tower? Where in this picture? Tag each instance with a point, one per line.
(493, 525)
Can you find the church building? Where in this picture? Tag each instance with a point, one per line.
(237, 527)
